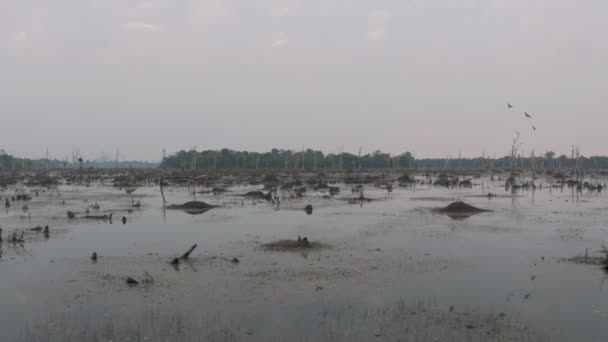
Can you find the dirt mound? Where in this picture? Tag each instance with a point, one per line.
(460, 207)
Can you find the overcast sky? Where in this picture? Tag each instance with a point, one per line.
(432, 77)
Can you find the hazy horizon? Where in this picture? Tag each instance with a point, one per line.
(430, 78)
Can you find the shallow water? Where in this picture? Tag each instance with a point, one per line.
(396, 269)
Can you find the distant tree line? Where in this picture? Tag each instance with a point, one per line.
(313, 160)
(9, 162)
(316, 160)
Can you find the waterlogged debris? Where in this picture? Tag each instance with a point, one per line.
(406, 178)
(587, 259)
(17, 239)
(36, 229)
(270, 178)
(308, 209)
(259, 195)
(218, 191)
(184, 256)
(131, 282)
(293, 245)
(99, 217)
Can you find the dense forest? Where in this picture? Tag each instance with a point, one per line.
(317, 160)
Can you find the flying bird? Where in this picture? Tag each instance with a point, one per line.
(509, 105)
(534, 128)
(527, 115)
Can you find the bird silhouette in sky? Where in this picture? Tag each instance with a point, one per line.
(527, 115)
(509, 105)
(534, 128)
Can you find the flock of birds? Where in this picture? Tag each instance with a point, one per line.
(525, 114)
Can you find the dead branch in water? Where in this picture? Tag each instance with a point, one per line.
(186, 255)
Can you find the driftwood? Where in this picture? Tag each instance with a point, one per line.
(186, 255)
(99, 217)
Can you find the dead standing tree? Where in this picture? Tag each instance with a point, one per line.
(160, 182)
(515, 144)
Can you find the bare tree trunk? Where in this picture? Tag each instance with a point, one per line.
(161, 191)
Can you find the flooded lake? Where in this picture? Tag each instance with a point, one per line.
(391, 269)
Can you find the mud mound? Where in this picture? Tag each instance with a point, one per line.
(461, 207)
(460, 210)
(292, 245)
(192, 205)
